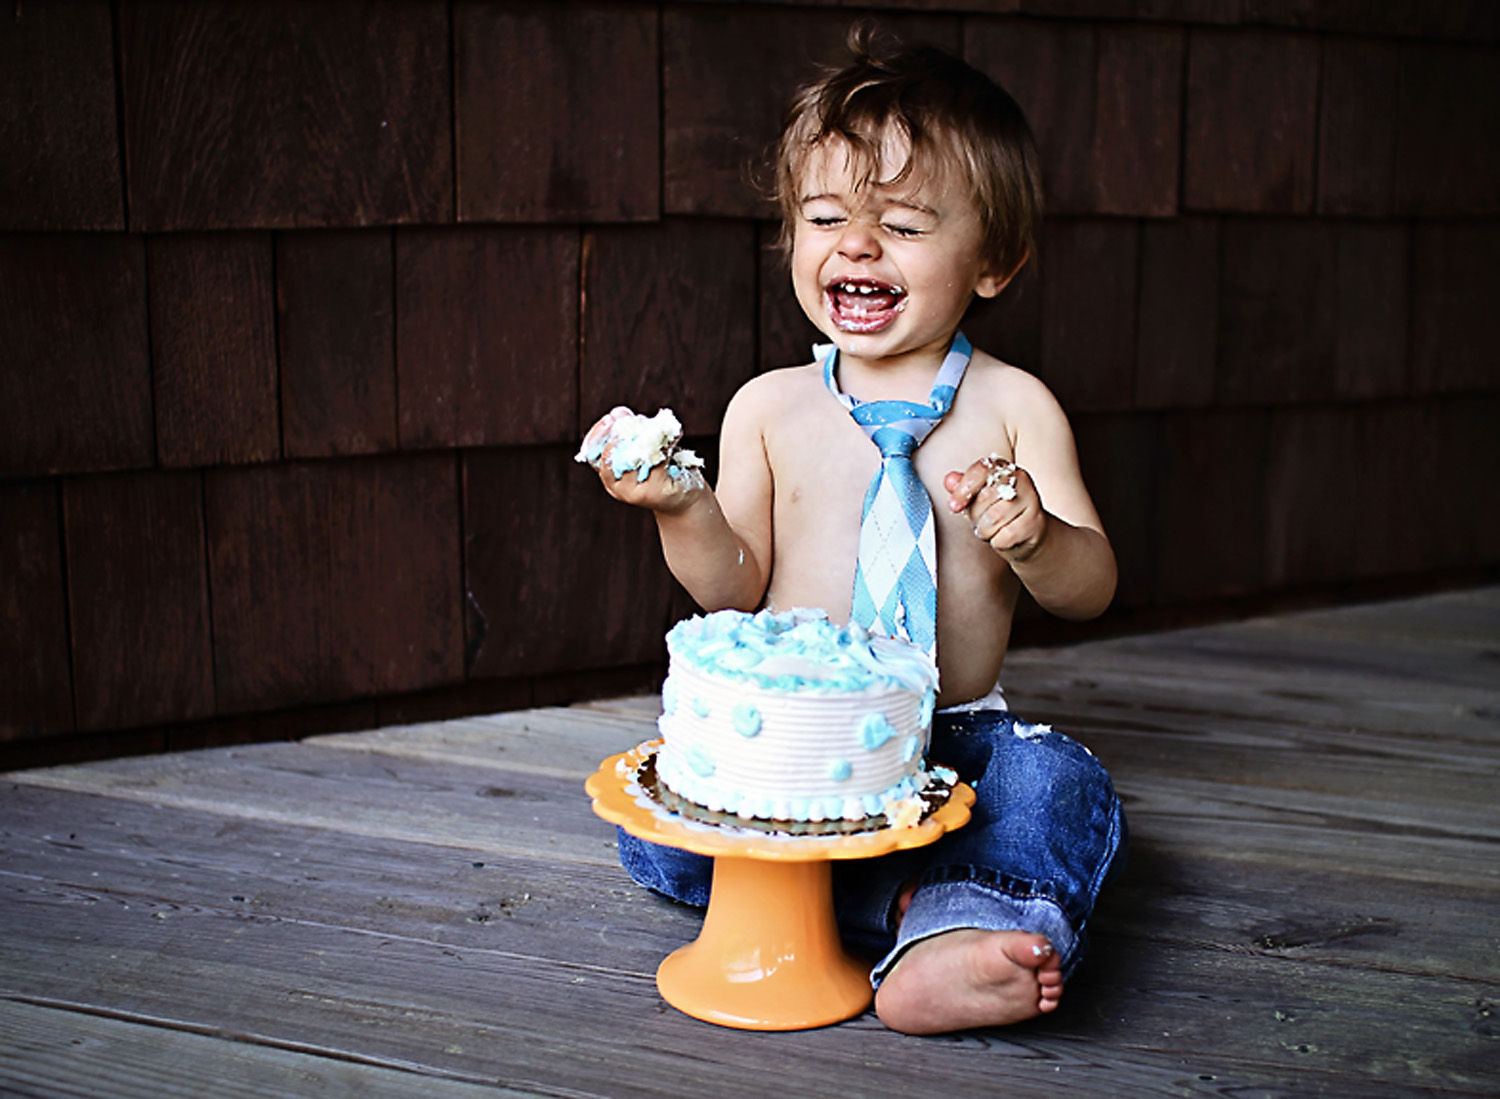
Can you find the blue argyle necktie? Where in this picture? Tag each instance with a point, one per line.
(895, 580)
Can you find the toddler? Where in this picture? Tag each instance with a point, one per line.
(907, 481)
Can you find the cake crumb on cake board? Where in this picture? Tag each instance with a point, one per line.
(1311, 902)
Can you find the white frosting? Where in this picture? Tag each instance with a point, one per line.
(640, 443)
(787, 717)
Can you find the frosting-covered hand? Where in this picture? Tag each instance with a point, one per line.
(639, 459)
(1002, 504)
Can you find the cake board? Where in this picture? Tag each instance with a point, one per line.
(769, 955)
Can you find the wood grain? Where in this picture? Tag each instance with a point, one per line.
(668, 320)
(138, 599)
(36, 691)
(213, 348)
(1455, 332)
(332, 581)
(1446, 162)
(487, 336)
(1178, 321)
(1212, 500)
(1135, 165)
(60, 167)
(1357, 137)
(1089, 302)
(1310, 903)
(557, 112)
(75, 383)
(606, 601)
(1250, 143)
(336, 338)
(1374, 310)
(1278, 311)
(286, 115)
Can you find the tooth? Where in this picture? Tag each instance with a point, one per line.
(867, 289)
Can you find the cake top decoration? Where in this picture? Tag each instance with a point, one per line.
(799, 650)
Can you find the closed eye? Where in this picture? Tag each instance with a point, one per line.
(906, 232)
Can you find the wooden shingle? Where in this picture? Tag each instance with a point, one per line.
(334, 580)
(59, 153)
(286, 115)
(213, 344)
(487, 335)
(75, 369)
(336, 333)
(557, 112)
(138, 599)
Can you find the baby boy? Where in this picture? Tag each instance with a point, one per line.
(908, 186)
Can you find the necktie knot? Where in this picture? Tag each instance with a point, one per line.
(894, 443)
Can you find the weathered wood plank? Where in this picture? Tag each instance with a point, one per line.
(562, 742)
(487, 335)
(1088, 351)
(1278, 312)
(138, 599)
(1311, 903)
(334, 580)
(335, 331)
(559, 575)
(36, 692)
(1250, 142)
(213, 344)
(75, 394)
(363, 794)
(61, 168)
(92, 849)
(69, 1050)
(557, 112)
(286, 115)
(475, 1012)
(661, 302)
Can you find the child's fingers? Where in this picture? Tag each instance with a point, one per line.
(991, 472)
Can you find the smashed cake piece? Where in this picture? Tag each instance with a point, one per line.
(641, 443)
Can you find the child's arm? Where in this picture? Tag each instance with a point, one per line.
(717, 544)
(1058, 550)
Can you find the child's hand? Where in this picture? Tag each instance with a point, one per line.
(647, 468)
(1002, 503)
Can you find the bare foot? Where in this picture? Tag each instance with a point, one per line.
(970, 978)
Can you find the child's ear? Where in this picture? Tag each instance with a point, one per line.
(990, 284)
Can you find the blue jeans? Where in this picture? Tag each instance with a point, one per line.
(1046, 833)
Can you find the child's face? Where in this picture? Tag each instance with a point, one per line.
(886, 271)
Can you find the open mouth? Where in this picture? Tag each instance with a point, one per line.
(864, 305)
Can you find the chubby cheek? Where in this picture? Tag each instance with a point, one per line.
(807, 286)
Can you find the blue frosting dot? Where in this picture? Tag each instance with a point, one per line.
(746, 720)
(910, 749)
(929, 700)
(875, 730)
(700, 761)
(669, 697)
(840, 770)
(701, 708)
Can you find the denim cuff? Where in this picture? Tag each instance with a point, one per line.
(952, 905)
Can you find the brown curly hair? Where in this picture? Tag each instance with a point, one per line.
(950, 114)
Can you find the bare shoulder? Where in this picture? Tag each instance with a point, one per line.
(769, 397)
(1018, 398)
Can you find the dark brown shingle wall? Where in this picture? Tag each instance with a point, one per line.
(304, 307)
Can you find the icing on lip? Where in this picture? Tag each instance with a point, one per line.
(863, 304)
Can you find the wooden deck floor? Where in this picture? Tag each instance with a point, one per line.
(1312, 904)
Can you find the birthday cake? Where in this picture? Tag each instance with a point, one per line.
(785, 722)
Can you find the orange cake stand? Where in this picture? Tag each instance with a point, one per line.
(769, 955)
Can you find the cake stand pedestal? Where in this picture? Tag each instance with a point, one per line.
(769, 955)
